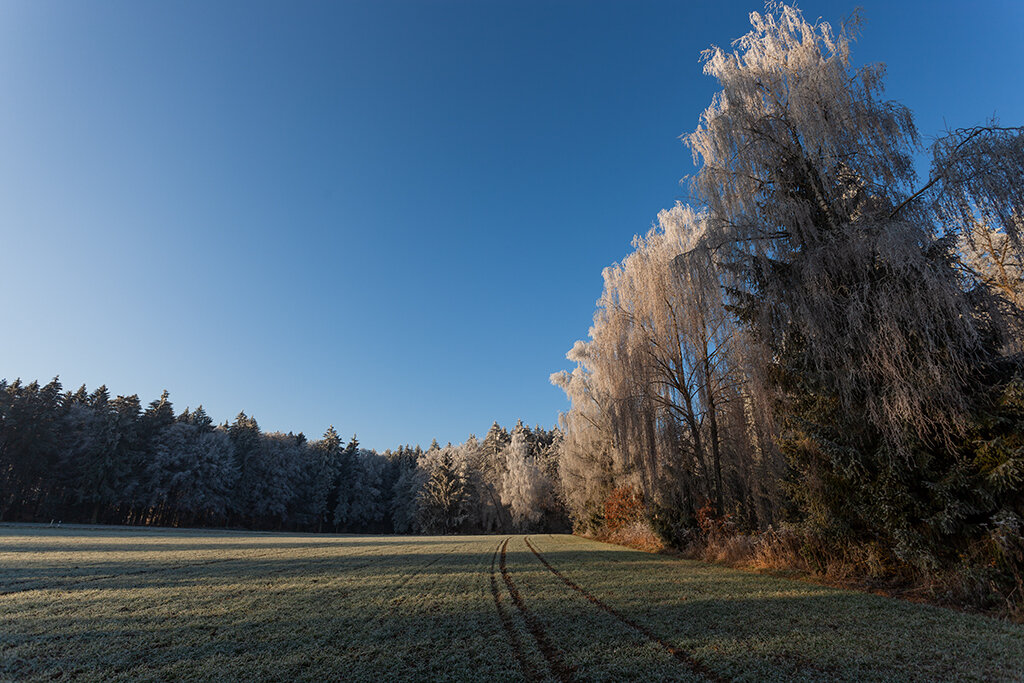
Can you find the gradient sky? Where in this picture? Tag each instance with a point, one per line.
(389, 216)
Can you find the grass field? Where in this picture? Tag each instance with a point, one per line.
(117, 604)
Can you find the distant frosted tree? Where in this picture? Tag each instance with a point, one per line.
(363, 503)
(158, 416)
(990, 259)
(443, 500)
(406, 496)
(190, 474)
(197, 418)
(525, 489)
(29, 443)
(350, 476)
(323, 473)
(492, 469)
(89, 459)
(374, 511)
(129, 451)
(483, 503)
(80, 397)
(244, 433)
(275, 475)
(269, 472)
(587, 463)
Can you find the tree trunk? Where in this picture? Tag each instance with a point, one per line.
(716, 456)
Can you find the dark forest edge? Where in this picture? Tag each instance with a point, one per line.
(81, 457)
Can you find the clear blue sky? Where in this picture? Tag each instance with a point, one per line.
(389, 216)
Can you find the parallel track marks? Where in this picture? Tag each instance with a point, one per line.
(517, 646)
(550, 652)
(694, 665)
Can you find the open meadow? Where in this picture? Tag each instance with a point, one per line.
(118, 604)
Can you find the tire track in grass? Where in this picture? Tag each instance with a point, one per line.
(506, 621)
(694, 665)
(558, 667)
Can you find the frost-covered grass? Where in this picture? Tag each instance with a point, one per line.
(108, 604)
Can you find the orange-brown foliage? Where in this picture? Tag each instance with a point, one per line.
(623, 507)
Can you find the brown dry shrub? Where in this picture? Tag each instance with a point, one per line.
(986, 580)
(623, 508)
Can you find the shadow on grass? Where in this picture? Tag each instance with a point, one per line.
(742, 625)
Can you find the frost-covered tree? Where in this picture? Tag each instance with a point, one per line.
(363, 501)
(803, 167)
(483, 507)
(975, 184)
(661, 389)
(350, 486)
(129, 454)
(83, 456)
(405, 495)
(525, 489)
(322, 479)
(991, 262)
(269, 472)
(587, 465)
(822, 305)
(443, 502)
(843, 271)
(89, 458)
(190, 474)
(492, 470)
(29, 433)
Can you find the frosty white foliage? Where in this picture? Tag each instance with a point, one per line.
(89, 458)
(977, 175)
(524, 488)
(321, 478)
(371, 506)
(814, 266)
(795, 143)
(443, 500)
(482, 507)
(405, 502)
(586, 464)
(803, 168)
(991, 260)
(990, 256)
(270, 475)
(660, 379)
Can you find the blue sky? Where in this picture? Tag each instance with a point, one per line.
(389, 216)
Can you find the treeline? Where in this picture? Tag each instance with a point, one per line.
(821, 342)
(86, 457)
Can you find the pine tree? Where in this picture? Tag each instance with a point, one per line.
(326, 477)
(442, 502)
